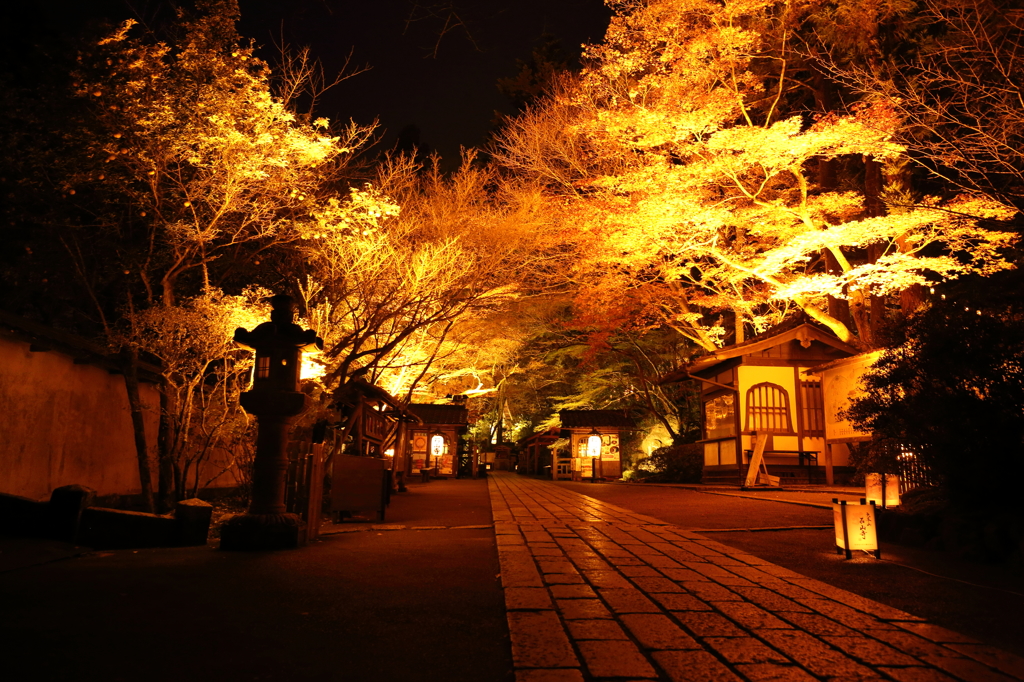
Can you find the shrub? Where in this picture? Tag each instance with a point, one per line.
(672, 464)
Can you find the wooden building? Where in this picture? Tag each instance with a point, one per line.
(595, 438)
(760, 401)
(535, 451)
(435, 443)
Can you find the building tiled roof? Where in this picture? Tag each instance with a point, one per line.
(591, 418)
(803, 332)
(440, 414)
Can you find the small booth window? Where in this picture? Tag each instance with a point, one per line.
(263, 367)
(719, 416)
(768, 409)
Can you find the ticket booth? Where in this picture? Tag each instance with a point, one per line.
(595, 444)
(763, 410)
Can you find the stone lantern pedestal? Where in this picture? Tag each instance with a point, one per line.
(276, 401)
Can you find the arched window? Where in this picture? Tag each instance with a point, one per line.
(768, 409)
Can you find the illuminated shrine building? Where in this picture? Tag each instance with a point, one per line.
(436, 444)
(595, 444)
(768, 389)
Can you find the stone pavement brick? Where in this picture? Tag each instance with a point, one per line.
(683, 574)
(792, 591)
(936, 633)
(611, 551)
(845, 615)
(518, 569)
(654, 584)
(693, 666)
(555, 565)
(967, 669)
(532, 598)
(615, 658)
(537, 536)
(505, 540)
(545, 551)
(638, 571)
(750, 616)
(773, 672)
(853, 600)
(708, 624)
(562, 579)
(643, 535)
(814, 654)
(749, 559)
(571, 543)
(626, 561)
(707, 569)
(657, 631)
(538, 641)
(680, 602)
(911, 644)
(572, 592)
(679, 554)
(582, 608)
(710, 591)
(916, 675)
(661, 561)
(817, 624)
(644, 551)
(595, 629)
(628, 601)
(870, 651)
(606, 579)
(996, 658)
(744, 650)
(769, 599)
(506, 529)
(556, 675)
(590, 562)
(756, 575)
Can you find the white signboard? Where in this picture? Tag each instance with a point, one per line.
(840, 384)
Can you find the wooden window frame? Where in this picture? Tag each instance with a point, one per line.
(768, 413)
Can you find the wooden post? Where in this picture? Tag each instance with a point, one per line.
(829, 472)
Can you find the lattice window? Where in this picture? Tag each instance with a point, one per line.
(813, 401)
(768, 409)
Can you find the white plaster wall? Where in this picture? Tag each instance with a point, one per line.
(62, 423)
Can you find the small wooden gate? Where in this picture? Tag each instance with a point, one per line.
(305, 488)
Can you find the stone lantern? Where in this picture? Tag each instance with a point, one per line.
(276, 401)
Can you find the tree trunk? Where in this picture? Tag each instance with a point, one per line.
(129, 364)
(165, 441)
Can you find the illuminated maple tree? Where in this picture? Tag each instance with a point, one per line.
(691, 191)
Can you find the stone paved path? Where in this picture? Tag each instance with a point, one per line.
(597, 592)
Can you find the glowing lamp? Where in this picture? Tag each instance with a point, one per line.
(855, 527)
(882, 489)
(437, 447)
(594, 444)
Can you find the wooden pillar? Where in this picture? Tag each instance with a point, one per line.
(829, 472)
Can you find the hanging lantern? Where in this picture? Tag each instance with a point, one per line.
(437, 447)
(882, 489)
(855, 527)
(594, 444)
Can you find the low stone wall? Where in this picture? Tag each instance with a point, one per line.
(69, 516)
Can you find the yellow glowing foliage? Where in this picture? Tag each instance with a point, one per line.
(699, 198)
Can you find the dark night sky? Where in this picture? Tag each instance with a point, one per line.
(443, 84)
